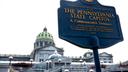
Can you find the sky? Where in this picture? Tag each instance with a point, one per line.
(22, 20)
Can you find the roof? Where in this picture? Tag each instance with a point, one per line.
(53, 48)
(45, 35)
(50, 48)
(5, 57)
(55, 55)
(105, 54)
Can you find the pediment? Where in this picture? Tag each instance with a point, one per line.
(105, 54)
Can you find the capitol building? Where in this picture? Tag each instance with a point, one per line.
(46, 57)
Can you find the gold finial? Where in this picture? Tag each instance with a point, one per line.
(89, 0)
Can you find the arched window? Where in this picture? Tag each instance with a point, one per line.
(41, 60)
(37, 44)
(42, 34)
(41, 44)
(46, 42)
(45, 35)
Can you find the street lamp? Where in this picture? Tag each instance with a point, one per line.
(81, 61)
(84, 62)
(46, 65)
(10, 59)
(31, 60)
(66, 70)
(121, 66)
(91, 70)
(103, 66)
(59, 62)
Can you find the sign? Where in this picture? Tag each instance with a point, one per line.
(81, 20)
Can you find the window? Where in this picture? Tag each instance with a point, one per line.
(45, 35)
(42, 34)
(88, 55)
(109, 58)
(41, 43)
(46, 43)
(37, 43)
(104, 58)
(110, 62)
(50, 43)
(41, 60)
(105, 62)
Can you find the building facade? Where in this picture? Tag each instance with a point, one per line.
(44, 46)
(46, 57)
(104, 57)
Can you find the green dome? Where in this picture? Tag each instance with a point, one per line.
(45, 35)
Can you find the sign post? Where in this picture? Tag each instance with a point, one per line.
(95, 44)
(90, 25)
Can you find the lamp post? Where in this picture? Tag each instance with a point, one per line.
(121, 66)
(84, 63)
(81, 61)
(101, 65)
(59, 60)
(47, 65)
(10, 59)
(91, 70)
(31, 60)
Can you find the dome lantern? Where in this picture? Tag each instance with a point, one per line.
(45, 29)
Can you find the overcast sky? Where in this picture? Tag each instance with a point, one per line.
(22, 20)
